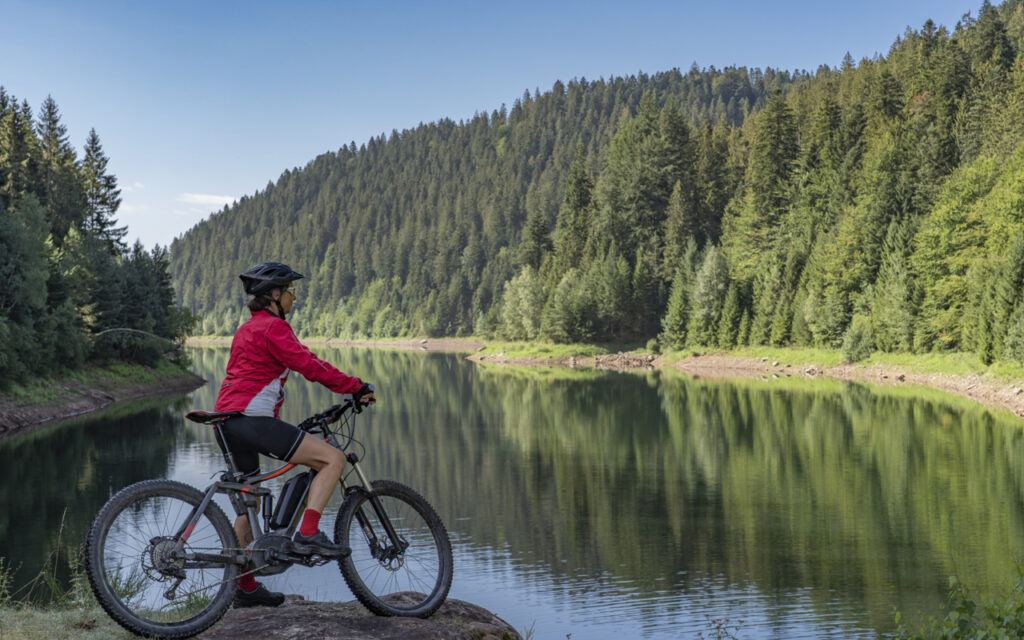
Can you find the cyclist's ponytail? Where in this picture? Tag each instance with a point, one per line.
(260, 302)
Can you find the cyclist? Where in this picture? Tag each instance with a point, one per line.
(263, 351)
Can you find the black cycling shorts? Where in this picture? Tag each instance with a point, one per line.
(249, 436)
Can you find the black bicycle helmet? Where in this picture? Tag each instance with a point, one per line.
(266, 276)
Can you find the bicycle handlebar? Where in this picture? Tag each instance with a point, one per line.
(331, 415)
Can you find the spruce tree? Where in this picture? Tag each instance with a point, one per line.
(61, 189)
(102, 197)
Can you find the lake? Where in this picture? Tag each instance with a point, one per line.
(609, 505)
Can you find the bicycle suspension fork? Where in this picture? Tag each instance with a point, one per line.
(399, 543)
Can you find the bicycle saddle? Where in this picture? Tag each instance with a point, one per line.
(202, 417)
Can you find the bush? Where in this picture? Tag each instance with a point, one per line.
(653, 346)
(986, 618)
(857, 341)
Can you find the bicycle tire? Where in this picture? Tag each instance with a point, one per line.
(126, 536)
(414, 583)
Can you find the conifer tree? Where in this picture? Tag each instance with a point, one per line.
(574, 216)
(61, 189)
(709, 291)
(773, 152)
(102, 197)
(677, 317)
(728, 324)
(536, 243)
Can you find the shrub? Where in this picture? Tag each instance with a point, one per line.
(857, 341)
(967, 618)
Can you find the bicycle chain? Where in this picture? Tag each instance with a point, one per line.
(250, 572)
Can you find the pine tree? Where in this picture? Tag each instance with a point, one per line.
(61, 190)
(728, 325)
(681, 226)
(536, 243)
(102, 197)
(709, 291)
(19, 155)
(677, 317)
(773, 152)
(574, 216)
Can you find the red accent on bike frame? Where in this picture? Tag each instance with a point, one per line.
(188, 532)
(274, 474)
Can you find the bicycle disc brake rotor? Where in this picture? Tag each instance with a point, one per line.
(389, 557)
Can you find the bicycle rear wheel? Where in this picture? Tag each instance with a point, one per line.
(137, 576)
(409, 576)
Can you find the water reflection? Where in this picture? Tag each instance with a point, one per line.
(608, 505)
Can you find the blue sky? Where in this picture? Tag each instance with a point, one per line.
(199, 103)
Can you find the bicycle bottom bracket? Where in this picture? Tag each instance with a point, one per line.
(270, 553)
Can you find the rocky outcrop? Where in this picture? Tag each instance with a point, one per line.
(300, 618)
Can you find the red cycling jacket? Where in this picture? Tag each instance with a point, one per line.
(263, 350)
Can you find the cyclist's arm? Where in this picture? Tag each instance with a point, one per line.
(284, 346)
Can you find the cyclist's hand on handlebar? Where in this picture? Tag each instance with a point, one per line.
(364, 397)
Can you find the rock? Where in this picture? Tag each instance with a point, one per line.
(300, 618)
(775, 363)
(901, 377)
(764, 359)
(1017, 391)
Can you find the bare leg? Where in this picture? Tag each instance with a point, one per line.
(243, 531)
(328, 462)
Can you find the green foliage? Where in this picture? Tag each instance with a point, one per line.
(68, 278)
(857, 341)
(971, 616)
(709, 292)
(522, 304)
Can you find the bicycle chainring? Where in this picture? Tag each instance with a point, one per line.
(270, 553)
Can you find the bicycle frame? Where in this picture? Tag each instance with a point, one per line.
(244, 496)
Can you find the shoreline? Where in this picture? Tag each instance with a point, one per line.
(79, 399)
(982, 388)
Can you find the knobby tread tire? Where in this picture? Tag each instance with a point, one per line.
(342, 526)
(94, 566)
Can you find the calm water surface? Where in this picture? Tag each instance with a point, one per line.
(612, 505)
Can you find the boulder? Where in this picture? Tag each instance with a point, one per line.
(301, 618)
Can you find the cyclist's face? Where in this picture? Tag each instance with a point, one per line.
(287, 298)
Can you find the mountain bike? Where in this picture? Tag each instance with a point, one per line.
(164, 561)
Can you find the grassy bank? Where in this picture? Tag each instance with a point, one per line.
(26, 405)
(110, 375)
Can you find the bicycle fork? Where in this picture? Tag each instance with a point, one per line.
(399, 545)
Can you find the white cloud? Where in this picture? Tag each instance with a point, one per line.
(206, 199)
(135, 186)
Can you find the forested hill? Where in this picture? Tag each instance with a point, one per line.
(875, 205)
(419, 232)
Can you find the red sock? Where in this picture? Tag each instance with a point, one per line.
(248, 583)
(310, 522)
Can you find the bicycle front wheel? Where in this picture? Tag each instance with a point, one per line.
(406, 576)
(140, 574)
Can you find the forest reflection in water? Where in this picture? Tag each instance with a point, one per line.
(599, 504)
